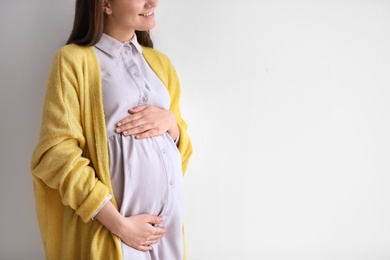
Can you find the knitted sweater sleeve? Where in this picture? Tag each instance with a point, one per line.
(185, 145)
(58, 161)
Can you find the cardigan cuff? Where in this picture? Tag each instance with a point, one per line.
(93, 202)
(104, 203)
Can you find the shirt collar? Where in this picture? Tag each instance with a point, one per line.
(113, 47)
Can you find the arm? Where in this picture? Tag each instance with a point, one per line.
(185, 145)
(59, 162)
(58, 159)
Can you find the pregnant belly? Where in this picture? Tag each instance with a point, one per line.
(145, 174)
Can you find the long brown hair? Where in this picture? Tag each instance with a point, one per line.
(89, 22)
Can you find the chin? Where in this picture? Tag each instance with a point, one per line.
(147, 27)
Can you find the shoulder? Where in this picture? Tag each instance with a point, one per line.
(155, 56)
(162, 66)
(160, 63)
(74, 49)
(75, 54)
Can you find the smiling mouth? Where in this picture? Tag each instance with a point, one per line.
(147, 14)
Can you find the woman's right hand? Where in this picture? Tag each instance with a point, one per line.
(140, 233)
(136, 231)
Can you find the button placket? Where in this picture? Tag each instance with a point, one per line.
(140, 82)
(170, 179)
(126, 49)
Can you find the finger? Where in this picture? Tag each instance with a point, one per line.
(153, 220)
(158, 231)
(128, 126)
(141, 130)
(154, 239)
(152, 242)
(148, 133)
(138, 109)
(129, 120)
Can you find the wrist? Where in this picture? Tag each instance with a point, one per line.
(118, 226)
(111, 219)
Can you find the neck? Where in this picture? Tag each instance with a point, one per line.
(119, 34)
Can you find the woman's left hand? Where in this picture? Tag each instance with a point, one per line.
(147, 121)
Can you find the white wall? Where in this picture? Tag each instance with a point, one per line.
(31, 32)
(288, 106)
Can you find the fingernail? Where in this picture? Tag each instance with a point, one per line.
(119, 124)
(118, 130)
(125, 132)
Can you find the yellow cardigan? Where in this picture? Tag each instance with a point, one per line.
(70, 165)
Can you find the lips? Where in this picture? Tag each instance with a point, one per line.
(147, 14)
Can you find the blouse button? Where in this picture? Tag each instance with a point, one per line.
(136, 74)
(144, 99)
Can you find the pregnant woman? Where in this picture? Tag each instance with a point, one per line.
(113, 146)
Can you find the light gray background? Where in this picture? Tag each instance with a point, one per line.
(288, 106)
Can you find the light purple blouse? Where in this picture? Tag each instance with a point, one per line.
(146, 174)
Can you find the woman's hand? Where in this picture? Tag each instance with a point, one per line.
(139, 232)
(147, 121)
(136, 231)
